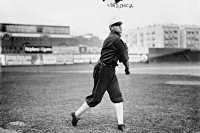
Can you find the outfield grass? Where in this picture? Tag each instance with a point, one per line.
(44, 101)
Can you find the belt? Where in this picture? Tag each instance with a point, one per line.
(101, 63)
(104, 64)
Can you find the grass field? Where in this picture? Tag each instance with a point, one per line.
(44, 97)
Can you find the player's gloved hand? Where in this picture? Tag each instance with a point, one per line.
(127, 72)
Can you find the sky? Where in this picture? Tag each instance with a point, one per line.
(93, 16)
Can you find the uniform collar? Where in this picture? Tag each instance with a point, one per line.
(115, 33)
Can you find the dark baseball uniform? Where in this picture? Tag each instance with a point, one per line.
(105, 79)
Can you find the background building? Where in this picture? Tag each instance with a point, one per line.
(190, 37)
(162, 36)
(157, 36)
(165, 43)
(25, 44)
(23, 38)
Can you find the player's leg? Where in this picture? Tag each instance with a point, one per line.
(100, 84)
(85, 106)
(116, 97)
(119, 112)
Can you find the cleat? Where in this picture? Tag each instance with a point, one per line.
(123, 128)
(74, 119)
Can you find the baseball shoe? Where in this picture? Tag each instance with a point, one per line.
(74, 119)
(123, 128)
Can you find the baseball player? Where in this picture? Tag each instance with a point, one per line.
(105, 79)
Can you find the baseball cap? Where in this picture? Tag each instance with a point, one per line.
(115, 21)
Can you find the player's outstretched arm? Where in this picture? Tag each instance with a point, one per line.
(126, 64)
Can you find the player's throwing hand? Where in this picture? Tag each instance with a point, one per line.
(127, 72)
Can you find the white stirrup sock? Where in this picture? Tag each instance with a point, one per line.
(82, 109)
(119, 112)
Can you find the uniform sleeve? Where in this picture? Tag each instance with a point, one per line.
(122, 50)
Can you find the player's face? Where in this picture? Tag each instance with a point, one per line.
(118, 29)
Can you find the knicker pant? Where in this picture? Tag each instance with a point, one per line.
(105, 79)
